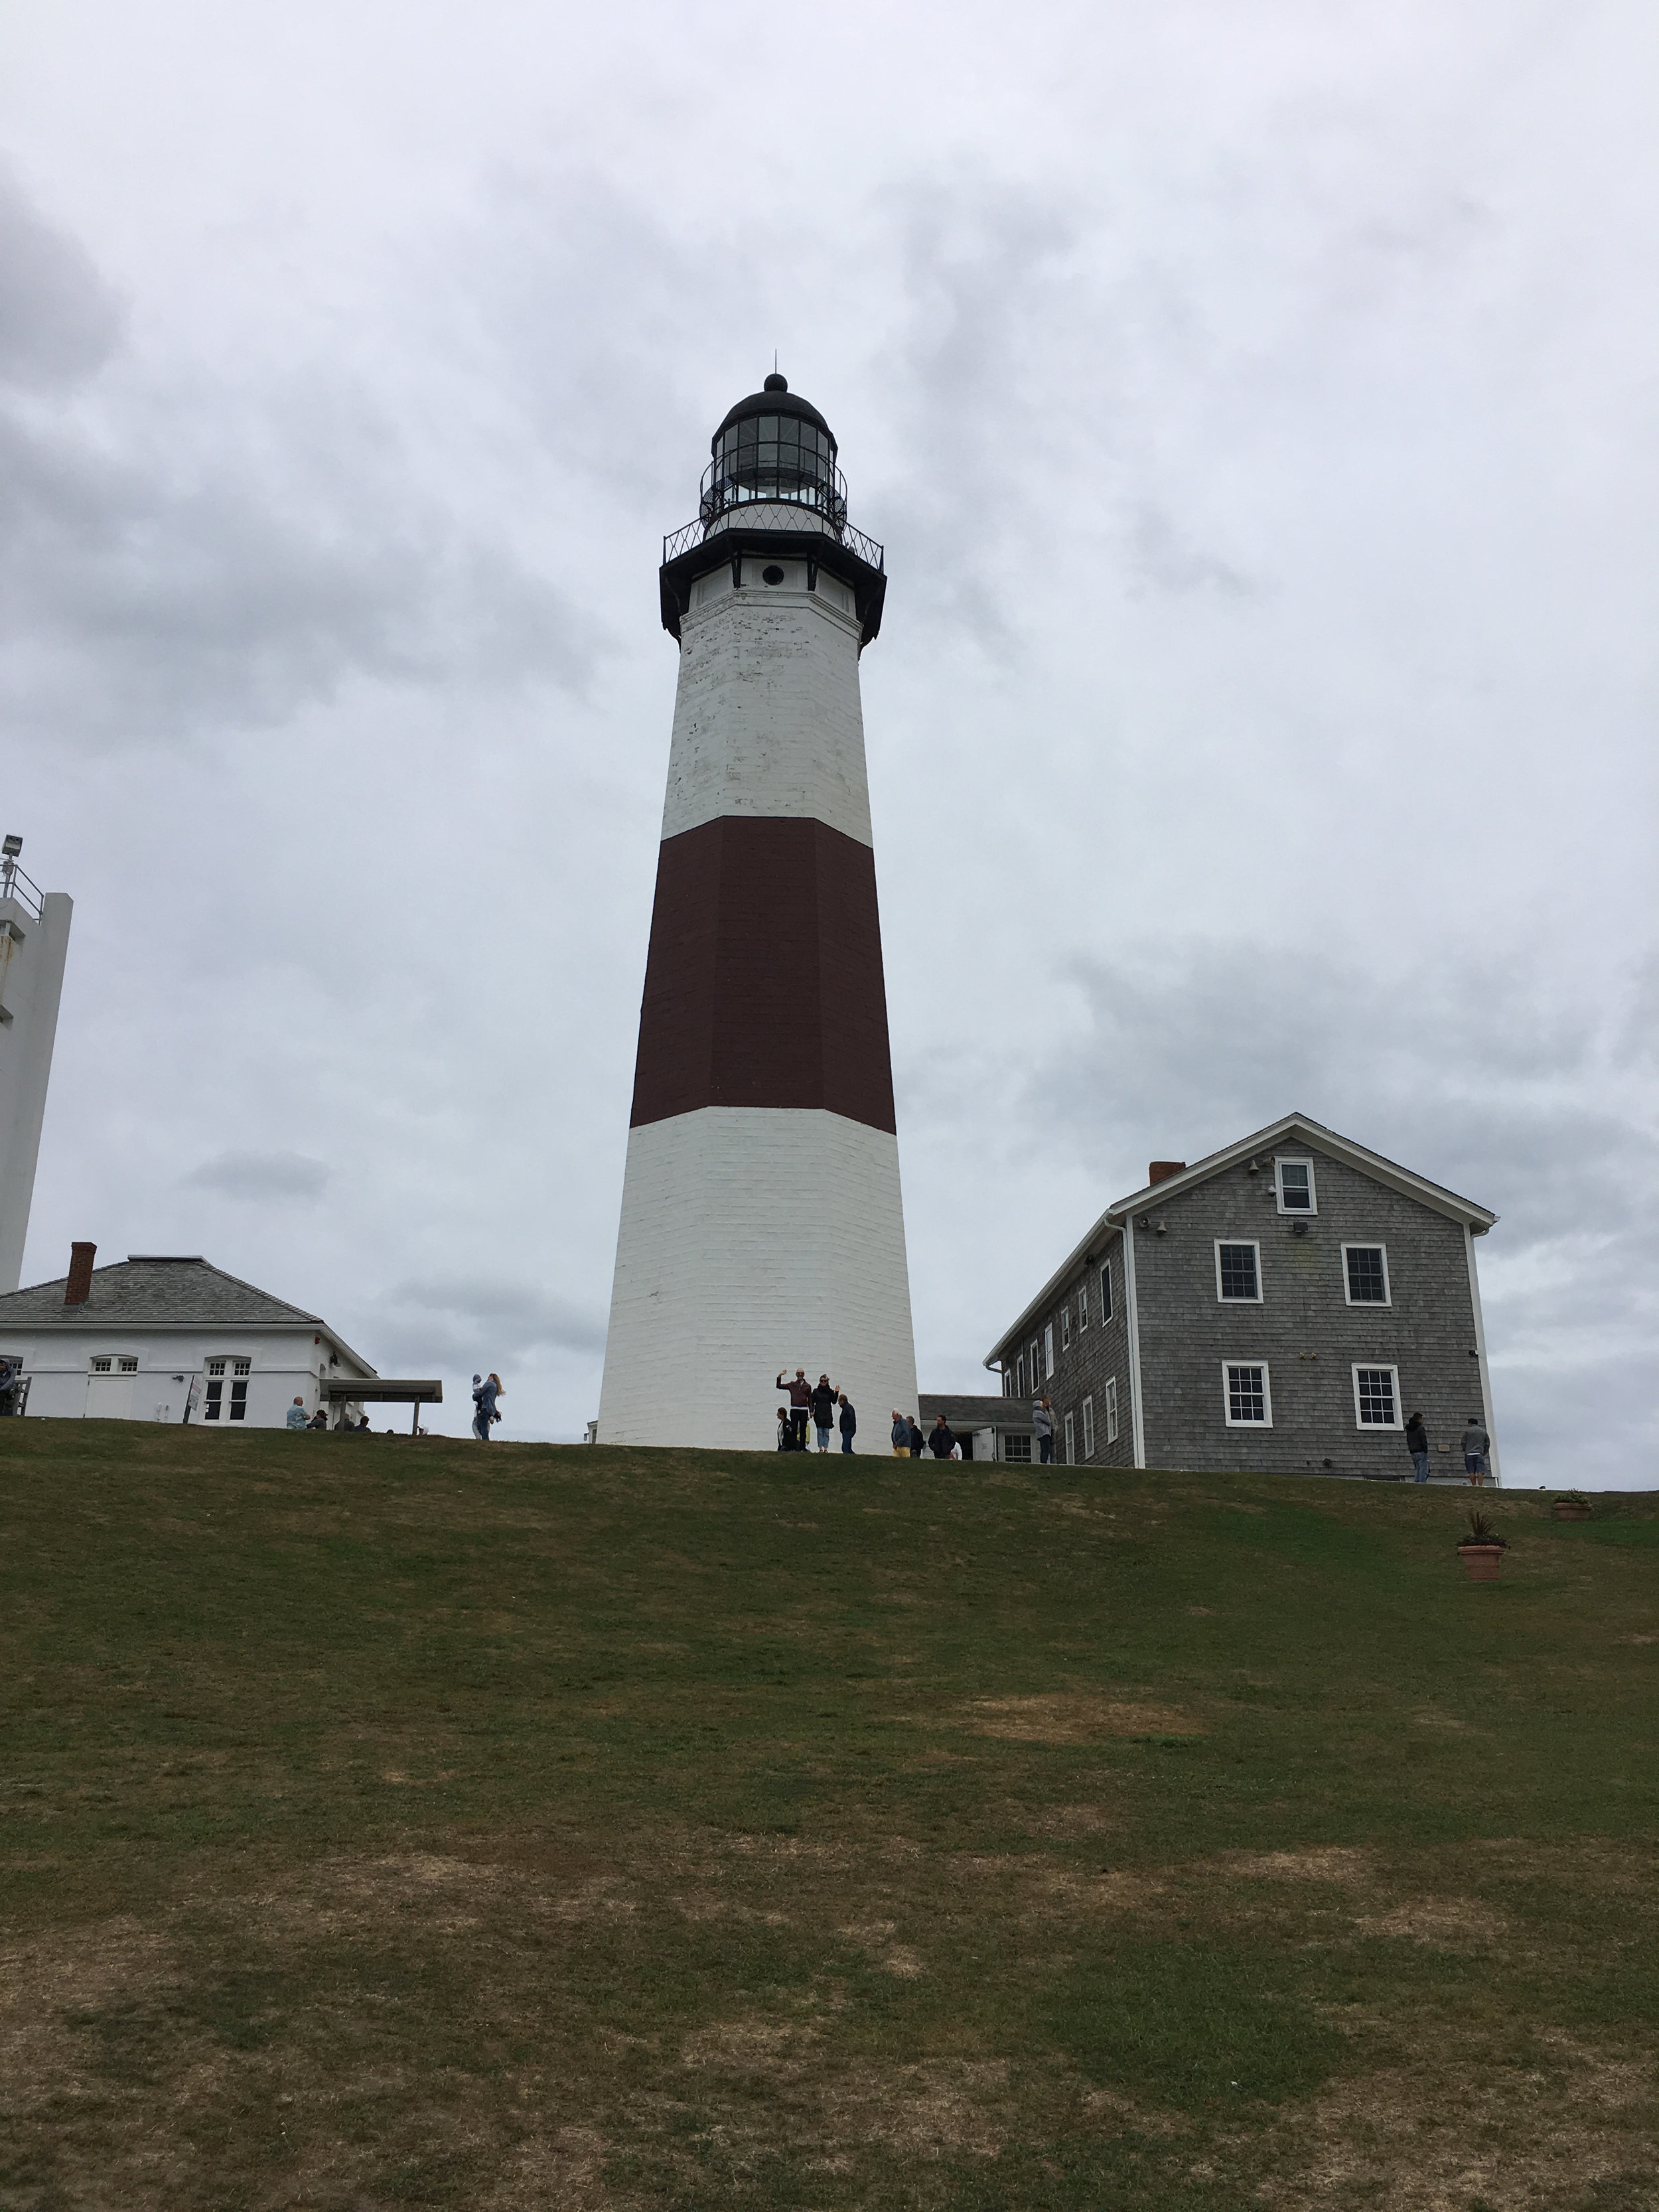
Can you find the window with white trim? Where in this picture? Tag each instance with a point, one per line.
(1065, 1328)
(1083, 1305)
(1294, 1180)
(215, 1406)
(1238, 1273)
(1036, 1366)
(102, 1365)
(1366, 1274)
(1088, 1428)
(1020, 1375)
(1105, 1290)
(1017, 1448)
(1071, 1442)
(1377, 1397)
(1246, 1393)
(1111, 1409)
(1047, 1352)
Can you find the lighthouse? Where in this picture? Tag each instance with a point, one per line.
(763, 1227)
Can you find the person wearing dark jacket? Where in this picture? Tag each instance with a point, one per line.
(943, 1441)
(849, 1421)
(800, 1400)
(823, 1410)
(1476, 1445)
(918, 1441)
(786, 1430)
(1417, 1443)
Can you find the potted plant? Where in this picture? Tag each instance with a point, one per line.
(1574, 1506)
(1482, 1550)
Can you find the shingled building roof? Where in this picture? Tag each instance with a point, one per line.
(143, 1291)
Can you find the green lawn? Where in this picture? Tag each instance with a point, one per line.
(396, 1823)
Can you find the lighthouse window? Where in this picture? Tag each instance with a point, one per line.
(772, 575)
(775, 456)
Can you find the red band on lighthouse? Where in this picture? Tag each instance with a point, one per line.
(764, 984)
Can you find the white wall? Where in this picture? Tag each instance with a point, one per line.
(31, 984)
(767, 716)
(752, 1239)
(287, 1364)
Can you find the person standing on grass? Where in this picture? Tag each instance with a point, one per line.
(1476, 1445)
(1417, 1443)
(484, 1395)
(918, 1441)
(296, 1414)
(901, 1436)
(850, 1422)
(786, 1430)
(823, 1410)
(800, 1400)
(1042, 1428)
(943, 1441)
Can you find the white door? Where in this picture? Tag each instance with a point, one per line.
(109, 1397)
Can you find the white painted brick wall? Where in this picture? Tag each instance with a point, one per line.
(752, 1239)
(766, 718)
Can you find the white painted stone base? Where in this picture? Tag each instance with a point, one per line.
(757, 1239)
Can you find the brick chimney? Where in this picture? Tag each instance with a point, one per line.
(78, 1288)
(1157, 1170)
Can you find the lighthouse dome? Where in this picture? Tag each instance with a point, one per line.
(774, 447)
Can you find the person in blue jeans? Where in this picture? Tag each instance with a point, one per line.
(1417, 1443)
(484, 1395)
(1042, 1428)
(825, 1396)
(850, 1422)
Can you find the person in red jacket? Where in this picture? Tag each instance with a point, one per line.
(800, 1400)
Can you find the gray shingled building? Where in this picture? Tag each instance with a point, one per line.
(1285, 1304)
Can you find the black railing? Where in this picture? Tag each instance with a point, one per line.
(693, 533)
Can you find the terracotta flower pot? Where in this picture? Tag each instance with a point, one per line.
(1571, 1509)
(1481, 1560)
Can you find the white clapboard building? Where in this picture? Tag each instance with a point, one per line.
(164, 1338)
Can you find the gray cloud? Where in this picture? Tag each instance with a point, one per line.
(263, 1177)
(58, 319)
(464, 1320)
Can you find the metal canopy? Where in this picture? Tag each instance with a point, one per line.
(386, 1390)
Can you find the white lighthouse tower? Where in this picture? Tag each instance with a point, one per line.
(34, 929)
(762, 1222)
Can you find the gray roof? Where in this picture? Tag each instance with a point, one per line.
(963, 1413)
(186, 1293)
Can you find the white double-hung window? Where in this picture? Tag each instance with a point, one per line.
(1366, 1274)
(1294, 1181)
(1065, 1328)
(215, 1406)
(1088, 1428)
(1377, 1397)
(1247, 1394)
(1048, 1351)
(1111, 1410)
(1238, 1273)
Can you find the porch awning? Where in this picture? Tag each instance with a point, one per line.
(383, 1390)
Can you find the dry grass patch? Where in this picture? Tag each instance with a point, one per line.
(1075, 1717)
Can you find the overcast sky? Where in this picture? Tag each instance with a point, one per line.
(1257, 403)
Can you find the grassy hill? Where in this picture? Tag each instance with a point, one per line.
(395, 1823)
